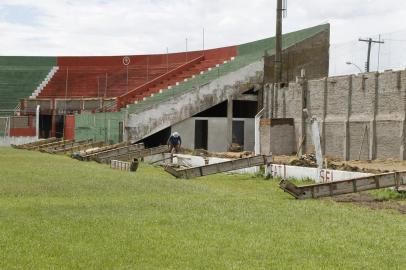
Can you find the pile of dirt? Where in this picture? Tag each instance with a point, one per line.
(352, 167)
(306, 160)
(234, 155)
(342, 166)
(235, 147)
(365, 166)
(367, 200)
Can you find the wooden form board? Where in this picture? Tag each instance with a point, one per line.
(140, 153)
(86, 155)
(36, 143)
(378, 181)
(65, 145)
(79, 147)
(50, 145)
(111, 153)
(225, 166)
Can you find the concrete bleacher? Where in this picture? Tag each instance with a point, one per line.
(170, 79)
(246, 54)
(98, 81)
(19, 77)
(145, 75)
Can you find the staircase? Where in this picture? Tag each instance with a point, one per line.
(191, 97)
(44, 83)
(161, 82)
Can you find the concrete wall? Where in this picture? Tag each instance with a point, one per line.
(305, 173)
(217, 133)
(278, 137)
(311, 54)
(7, 141)
(361, 116)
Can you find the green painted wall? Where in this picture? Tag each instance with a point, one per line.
(99, 126)
(19, 77)
(31, 61)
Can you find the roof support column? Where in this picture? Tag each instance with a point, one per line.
(229, 122)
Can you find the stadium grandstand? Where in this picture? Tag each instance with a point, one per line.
(81, 97)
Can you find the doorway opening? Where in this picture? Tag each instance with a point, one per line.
(201, 131)
(59, 126)
(238, 133)
(45, 126)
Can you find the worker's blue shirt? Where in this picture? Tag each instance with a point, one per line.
(175, 141)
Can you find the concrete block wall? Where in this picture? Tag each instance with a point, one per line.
(281, 138)
(361, 116)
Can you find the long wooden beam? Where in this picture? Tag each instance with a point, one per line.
(226, 166)
(66, 145)
(52, 144)
(117, 151)
(36, 143)
(136, 154)
(377, 181)
(79, 147)
(85, 155)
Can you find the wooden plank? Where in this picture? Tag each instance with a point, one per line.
(116, 151)
(378, 181)
(225, 166)
(136, 154)
(67, 145)
(85, 155)
(41, 142)
(79, 147)
(172, 171)
(53, 144)
(33, 144)
(109, 148)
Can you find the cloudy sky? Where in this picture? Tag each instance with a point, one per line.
(119, 27)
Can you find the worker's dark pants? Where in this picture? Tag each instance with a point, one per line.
(174, 148)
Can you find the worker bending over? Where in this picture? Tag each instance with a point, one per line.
(174, 143)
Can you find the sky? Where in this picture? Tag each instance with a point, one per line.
(124, 27)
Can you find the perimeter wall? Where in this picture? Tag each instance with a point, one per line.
(361, 116)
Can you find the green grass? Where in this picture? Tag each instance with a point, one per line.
(59, 213)
(388, 195)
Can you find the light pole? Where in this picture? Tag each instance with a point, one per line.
(355, 65)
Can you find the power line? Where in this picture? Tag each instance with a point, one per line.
(369, 41)
(399, 40)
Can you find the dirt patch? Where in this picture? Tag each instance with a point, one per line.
(369, 201)
(367, 166)
(205, 153)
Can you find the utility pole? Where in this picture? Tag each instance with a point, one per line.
(281, 7)
(370, 41)
(278, 43)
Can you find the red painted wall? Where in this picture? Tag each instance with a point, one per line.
(69, 127)
(22, 132)
(153, 59)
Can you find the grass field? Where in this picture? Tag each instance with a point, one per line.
(59, 213)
